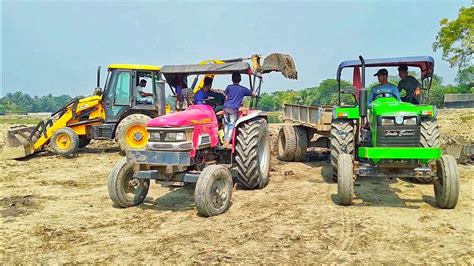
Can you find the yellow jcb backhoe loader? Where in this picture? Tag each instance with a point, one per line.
(119, 111)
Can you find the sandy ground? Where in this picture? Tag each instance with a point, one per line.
(57, 210)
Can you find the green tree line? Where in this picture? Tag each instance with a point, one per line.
(20, 102)
(325, 93)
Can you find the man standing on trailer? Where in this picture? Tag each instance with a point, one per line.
(235, 94)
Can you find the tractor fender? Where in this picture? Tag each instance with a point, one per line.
(251, 115)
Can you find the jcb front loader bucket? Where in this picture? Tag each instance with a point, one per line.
(280, 63)
(18, 143)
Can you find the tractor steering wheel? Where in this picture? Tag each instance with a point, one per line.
(384, 93)
(210, 103)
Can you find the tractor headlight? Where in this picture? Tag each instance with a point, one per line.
(410, 121)
(154, 136)
(387, 121)
(175, 136)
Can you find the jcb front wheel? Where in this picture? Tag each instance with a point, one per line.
(124, 189)
(64, 141)
(131, 132)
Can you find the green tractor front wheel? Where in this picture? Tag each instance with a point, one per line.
(345, 179)
(446, 183)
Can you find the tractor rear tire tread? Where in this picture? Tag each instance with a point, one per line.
(301, 143)
(430, 137)
(287, 143)
(249, 137)
(342, 139)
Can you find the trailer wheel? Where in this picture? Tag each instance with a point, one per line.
(65, 141)
(429, 138)
(132, 133)
(213, 190)
(342, 141)
(84, 141)
(446, 183)
(252, 154)
(124, 189)
(301, 143)
(345, 180)
(287, 142)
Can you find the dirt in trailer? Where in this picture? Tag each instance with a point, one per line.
(57, 210)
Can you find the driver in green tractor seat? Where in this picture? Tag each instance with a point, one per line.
(385, 88)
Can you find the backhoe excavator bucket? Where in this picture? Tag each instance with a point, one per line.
(280, 63)
(17, 143)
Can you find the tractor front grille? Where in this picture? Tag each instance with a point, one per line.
(398, 136)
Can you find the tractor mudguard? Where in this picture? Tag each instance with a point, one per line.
(253, 114)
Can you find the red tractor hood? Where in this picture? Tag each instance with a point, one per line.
(194, 115)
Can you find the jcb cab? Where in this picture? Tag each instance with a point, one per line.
(115, 112)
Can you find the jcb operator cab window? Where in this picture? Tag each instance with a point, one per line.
(144, 89)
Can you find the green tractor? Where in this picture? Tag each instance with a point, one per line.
(389, 138)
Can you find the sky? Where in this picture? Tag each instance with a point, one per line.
(55, 46)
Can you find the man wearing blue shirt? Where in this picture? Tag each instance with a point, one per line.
(201, 96)
(384, 88)
(235, 94)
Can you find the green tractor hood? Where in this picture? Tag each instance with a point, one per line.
(393, 107)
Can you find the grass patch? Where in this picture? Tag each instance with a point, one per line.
(466, 118)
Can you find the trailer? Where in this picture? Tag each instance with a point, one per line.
(304, 127)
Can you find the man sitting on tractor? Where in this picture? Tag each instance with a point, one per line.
(385, 88)
(202, 95)
(410, 85)
(235, 94)
(142, 96)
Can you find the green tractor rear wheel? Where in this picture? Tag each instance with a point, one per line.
(429, 138)
(342, 141)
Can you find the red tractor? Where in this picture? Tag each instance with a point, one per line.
(184, 147)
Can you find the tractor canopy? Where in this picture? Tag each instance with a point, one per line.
(424, 63)
(171, 72)
(274, 62)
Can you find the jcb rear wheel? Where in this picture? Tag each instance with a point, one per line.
(131, 132)
(446, 184)
(213, 191)
(64, 141)
(124, 189)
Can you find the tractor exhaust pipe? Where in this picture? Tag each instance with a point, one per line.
(98, 77)
(363, 92)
